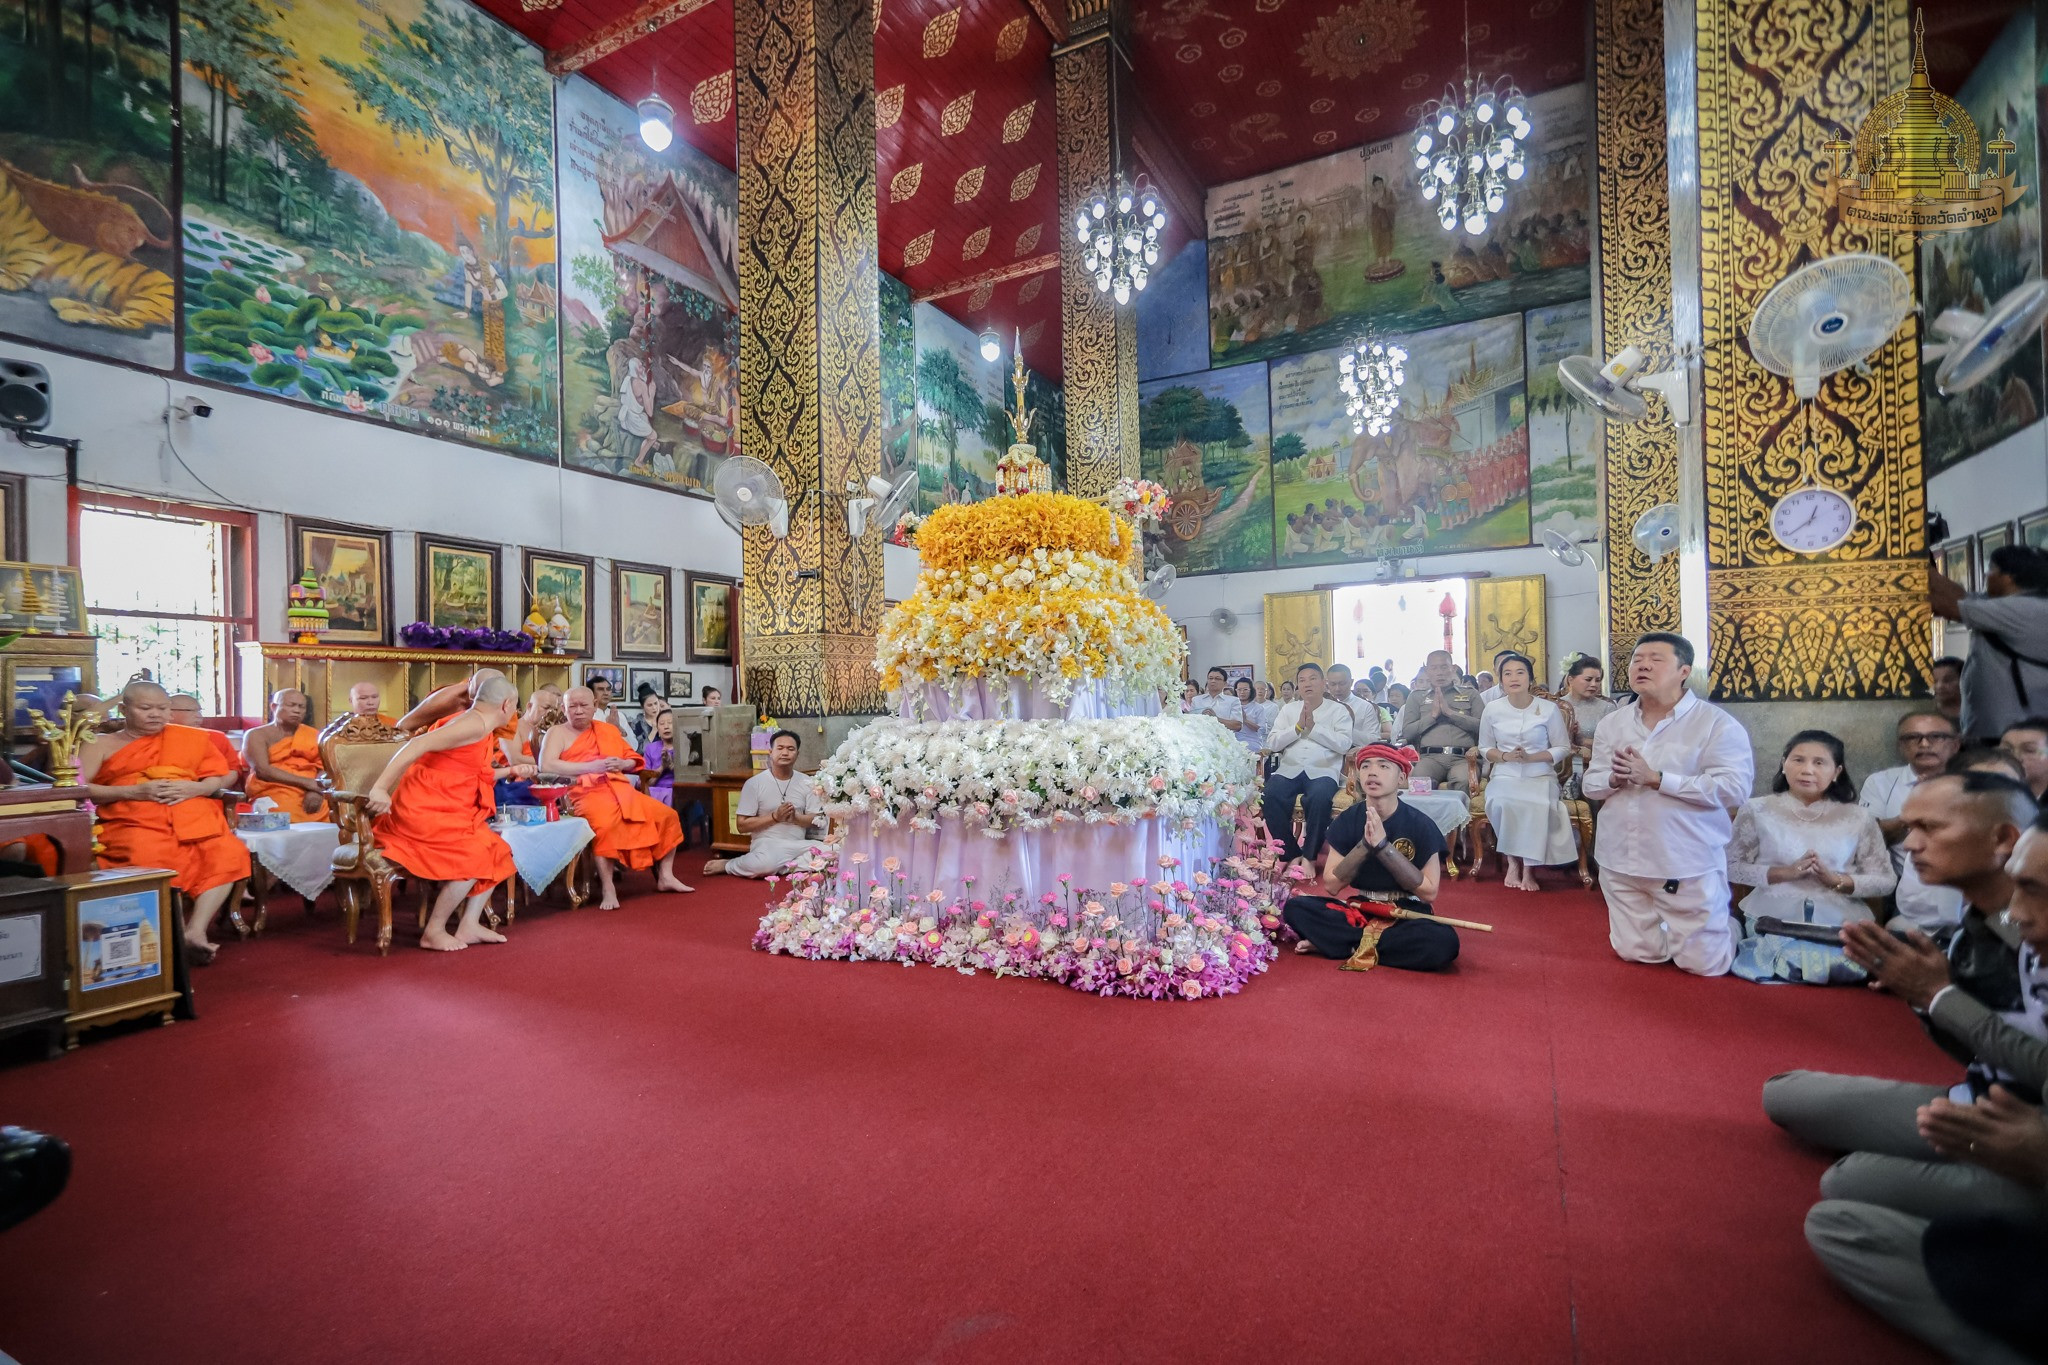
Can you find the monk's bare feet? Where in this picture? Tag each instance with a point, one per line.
(200, 951)
(469, 934)
(441, 941)
(608, 901)
(671, 884)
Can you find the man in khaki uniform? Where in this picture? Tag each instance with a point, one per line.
(1441, 721)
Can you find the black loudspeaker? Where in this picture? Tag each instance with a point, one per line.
(24, 396)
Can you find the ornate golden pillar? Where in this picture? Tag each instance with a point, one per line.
(1633, 306)
(1098, 340)
(810, 381)
(1776, 79)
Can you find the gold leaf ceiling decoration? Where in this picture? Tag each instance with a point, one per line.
(1029, 292)
(940, 32)
(1026, 181)
(1028, 239)
(983, 292)
(1034, 332)
(917, 249)
(1362, 37)
(1011, 40)
(889, 107)
(968, 185)
(1019, 121)
(976, 243)
(904, 183)
(956, 114)
(711, 101)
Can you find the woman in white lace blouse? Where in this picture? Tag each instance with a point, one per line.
(1814, 856)
(1257, 715)
(1525, 737)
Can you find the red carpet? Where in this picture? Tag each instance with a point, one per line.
(627, 1137)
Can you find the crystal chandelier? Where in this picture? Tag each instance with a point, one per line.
(1371, 374)
(1119, 236)
(1467, 152)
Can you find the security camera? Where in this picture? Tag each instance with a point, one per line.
(188, 408)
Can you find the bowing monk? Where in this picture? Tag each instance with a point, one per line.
(155, 785)
(284, 760)
(434, 797)
(185, 711)
(631, 827)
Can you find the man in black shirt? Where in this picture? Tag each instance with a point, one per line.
(1390, 852)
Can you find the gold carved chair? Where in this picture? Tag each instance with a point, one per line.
(355, 752)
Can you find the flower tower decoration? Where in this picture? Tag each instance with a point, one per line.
(1032, 809)
(305, 612)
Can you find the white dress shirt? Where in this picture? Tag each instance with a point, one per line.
(1318, 753)
(1224, 707)
(1884, 796)
(1681, 828)
(1491, 695)
(1365, 720)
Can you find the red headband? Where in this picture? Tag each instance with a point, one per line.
(1402, 758)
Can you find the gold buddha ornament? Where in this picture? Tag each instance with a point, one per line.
(1020, 470)
(1916, 165)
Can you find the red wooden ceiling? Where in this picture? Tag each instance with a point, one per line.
(968, 180)
(1249, 86)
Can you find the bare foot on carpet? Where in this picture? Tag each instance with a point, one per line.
(714, 866)
(1304, 946)
(200, 951)
(671, 884)
(441, 941)
(478, 935)
(609, 901)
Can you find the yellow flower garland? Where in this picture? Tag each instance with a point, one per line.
(967, 534)
(1056, 637)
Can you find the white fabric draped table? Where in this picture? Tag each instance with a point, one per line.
(542, 853)
(301, 856)
(1452, 810)
(1018, 699)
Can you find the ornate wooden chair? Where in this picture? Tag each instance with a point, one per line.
(355, 752)
(1478, 829)
(1576, 808)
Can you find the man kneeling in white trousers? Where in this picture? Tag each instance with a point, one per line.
(1672, 771)
(778, 807)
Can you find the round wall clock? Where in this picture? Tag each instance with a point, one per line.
(1813, 520)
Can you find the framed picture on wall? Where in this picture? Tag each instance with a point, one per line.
(45, 598)
(2034, 530)
(1995, 537)
(1957, 562)
(615, 674)
(640, 615)
(458, 583)
(13, 516)
(353, 566)
(654, 679)
(558, 584)
(1231, 673)
(682, 687)
(713, 619)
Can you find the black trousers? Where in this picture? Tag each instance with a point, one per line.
(1413, 945)
(1316, 794)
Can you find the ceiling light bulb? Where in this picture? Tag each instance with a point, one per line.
(1099, 208)
(657, 122)
(1514, 170)
(1446, 123)
(991, 347)
(1423, 142)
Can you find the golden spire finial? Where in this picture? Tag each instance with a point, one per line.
(1020, 420)
(1919, 47)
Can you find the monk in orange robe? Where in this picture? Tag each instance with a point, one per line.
(284, 761)
(185, 711)
(367, 699)
(434, 797)
(630, 826)
(155, 785)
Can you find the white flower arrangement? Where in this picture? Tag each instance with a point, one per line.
(1142, 502)
(1000, 775)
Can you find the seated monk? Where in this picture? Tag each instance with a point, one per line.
(155, 785)
(367, 699)
(284, 761)
(631, 827)
(185, 711)
(434, 797)
(516, 764)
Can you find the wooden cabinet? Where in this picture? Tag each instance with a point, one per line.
(406, 676)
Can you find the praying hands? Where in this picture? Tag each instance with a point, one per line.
(1999, 1132)
(1911, 968)
(1812, 868)
(1631, 768)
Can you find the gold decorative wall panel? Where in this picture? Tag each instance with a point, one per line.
(1099, 341)
(810, 381)
(1640, 467)
(1777, 78)
(1298, 631)
(1507, 613)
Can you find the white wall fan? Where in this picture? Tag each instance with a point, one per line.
(1158, 582)
(1615, 390)
(748, 493)
(883, 501)
(1224, 619)
(1972, 346)
(1828, 315)
(1571, 553)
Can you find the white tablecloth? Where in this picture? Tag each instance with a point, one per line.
(301, 857)
(540, 852)
(1452, 810)
(1018, 699)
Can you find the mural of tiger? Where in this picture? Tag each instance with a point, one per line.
(85, 287)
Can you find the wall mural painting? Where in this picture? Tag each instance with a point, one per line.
(1206, 437)
(1453, 474)
(650, 328)
(1173, 315)
(1563, 478)
(1301, 258)
(899, 375)
(368, 222)
(86, 239)
(1973, 269)
(962, 421)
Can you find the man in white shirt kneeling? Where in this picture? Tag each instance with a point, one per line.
(1672, 770)
(779, 807)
